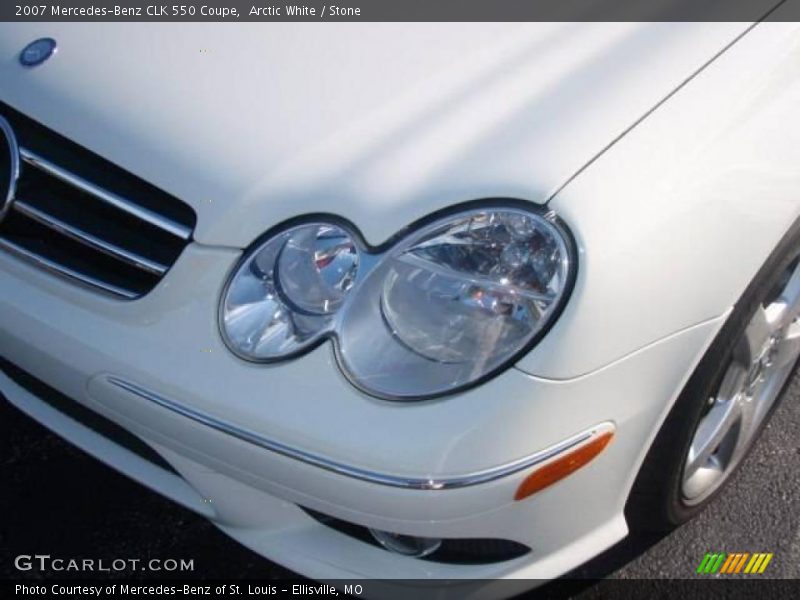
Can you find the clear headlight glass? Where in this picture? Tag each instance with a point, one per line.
(447, 306)
(283, 296)
(453, 303)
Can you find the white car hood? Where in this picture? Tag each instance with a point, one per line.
(379, 123)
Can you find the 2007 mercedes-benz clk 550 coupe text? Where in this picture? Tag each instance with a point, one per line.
(405, 300)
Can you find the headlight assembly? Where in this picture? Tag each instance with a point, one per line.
(285, 293)
(444, 307)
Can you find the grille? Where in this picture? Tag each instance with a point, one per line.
(76, 214)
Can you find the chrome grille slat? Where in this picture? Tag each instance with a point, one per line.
(88, 239)
(34, 160)
(59, 269)
(75, 214)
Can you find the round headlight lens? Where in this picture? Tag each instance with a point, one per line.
(454, 302)
(482, 282)
(283, 295)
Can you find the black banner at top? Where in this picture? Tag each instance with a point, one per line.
(400, 10)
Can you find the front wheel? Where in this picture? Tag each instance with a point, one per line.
(727, 401)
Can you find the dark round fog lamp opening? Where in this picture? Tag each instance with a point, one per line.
(407, 545)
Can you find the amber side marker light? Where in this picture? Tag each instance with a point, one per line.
(563, 466)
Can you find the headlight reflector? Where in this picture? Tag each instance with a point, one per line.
(317, 267)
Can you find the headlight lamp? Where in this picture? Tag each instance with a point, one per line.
(443, 308)
(284, 293)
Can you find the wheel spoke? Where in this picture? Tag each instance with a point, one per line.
(758, 331)
(703, 478)
(749, 409)
(789, 349)
(713, 428)
(785, 308)
(790, 296)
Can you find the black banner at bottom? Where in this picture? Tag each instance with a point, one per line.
(707, 588)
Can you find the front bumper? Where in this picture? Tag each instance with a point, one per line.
(167, 344)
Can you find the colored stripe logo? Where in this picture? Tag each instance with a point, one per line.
(735, 563)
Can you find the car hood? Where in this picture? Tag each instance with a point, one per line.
(379, 123)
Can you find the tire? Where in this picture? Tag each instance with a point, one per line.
(659, 500)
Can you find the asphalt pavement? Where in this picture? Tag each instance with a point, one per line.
(57, 500)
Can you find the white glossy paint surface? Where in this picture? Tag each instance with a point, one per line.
(307, 404)
(382, 126)
(675, 219)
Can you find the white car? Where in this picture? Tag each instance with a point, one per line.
(424, 301)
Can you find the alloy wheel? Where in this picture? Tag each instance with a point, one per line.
(762, 360)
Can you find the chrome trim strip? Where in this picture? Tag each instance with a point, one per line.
(414, 483)
(119, 202)
(58, 269)
(88, 239)
(13, 173)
